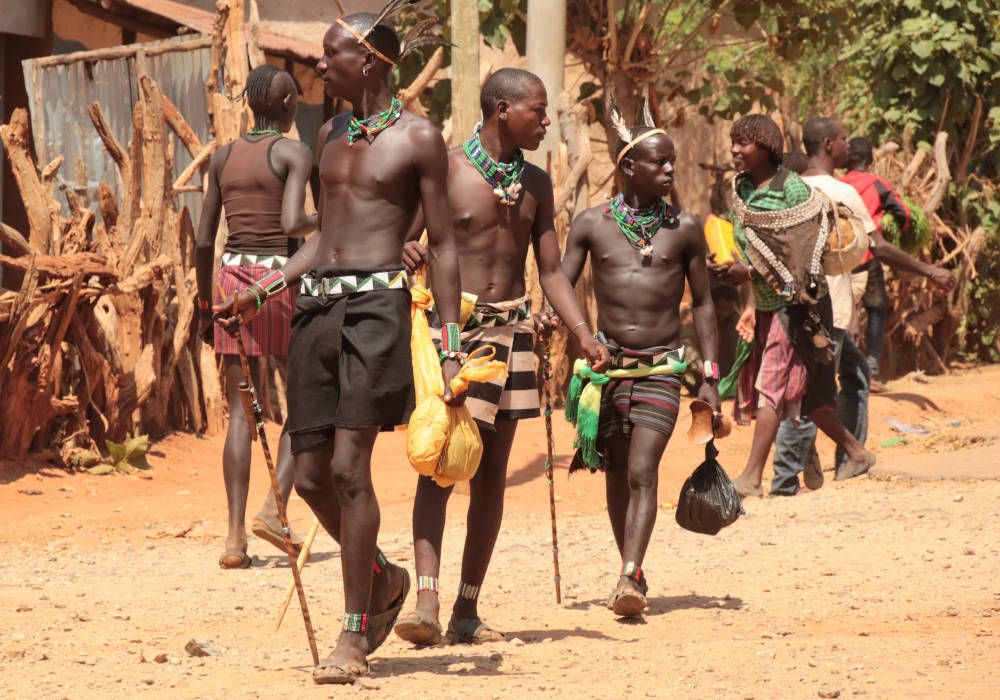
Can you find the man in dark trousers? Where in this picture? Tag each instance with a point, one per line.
(350, 370)
(880, 199)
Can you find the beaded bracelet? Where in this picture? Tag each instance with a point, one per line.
(710, 370)
(451, 338)
(203, 305)
(459, 357)
(273, 284)
(257, 295)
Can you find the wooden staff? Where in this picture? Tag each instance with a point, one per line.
(550, 441)
(255, 417)
(303, 558)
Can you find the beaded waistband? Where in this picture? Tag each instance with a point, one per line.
(273, 262)
(337, 285)
(655, 357)
(488, 316)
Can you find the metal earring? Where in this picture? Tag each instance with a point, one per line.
(365, 69)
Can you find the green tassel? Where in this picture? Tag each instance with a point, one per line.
(727, 386)
(576, 383)
(588, 420)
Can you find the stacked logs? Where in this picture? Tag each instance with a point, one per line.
(97, 342)
(923, 325)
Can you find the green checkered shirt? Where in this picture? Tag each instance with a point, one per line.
(763, 198)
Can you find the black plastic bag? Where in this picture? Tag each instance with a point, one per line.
(708, 500)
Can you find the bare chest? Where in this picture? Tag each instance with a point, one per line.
(481, 221)
(381, 167)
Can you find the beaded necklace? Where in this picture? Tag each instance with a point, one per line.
(640, 225)
(263, 132)
(371, 127)
(505, 177)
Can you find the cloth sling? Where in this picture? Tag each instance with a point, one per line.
(786, 247)
(586, 388)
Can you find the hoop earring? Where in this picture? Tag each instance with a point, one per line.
(364, 70)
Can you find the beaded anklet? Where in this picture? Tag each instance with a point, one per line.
(381, 563)
(468, 591)
(356, 622)
(632, 570)
(427, 583)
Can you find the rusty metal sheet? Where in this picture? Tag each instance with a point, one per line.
(59, 95)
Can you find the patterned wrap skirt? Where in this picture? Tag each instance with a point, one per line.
(269, 332)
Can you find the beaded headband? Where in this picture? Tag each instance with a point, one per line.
(623, 131)
(364, 42)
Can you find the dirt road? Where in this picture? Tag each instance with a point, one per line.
(881, 587)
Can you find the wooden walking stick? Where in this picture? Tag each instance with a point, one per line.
(546, 377)
(255, 417)
(303, 558)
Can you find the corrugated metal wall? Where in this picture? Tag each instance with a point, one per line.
(59, 95)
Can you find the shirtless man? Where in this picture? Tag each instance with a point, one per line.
(261, 181)
(501, 206)
(350, 371)
(642, 250)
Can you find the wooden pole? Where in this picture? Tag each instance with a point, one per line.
(465, 110)
(546, 54)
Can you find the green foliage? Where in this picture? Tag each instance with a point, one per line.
(980, 329)
(500, 21)
(913, 239)
(124, 456)
(924, 62)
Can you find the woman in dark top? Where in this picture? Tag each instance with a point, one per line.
(260, 180)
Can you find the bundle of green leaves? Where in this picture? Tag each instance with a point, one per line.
(913, 238)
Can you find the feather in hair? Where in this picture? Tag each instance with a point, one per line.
(391, 8)
(617, 120)
(647, 114)
(419, 36)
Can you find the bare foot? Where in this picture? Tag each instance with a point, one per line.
(747, 489)
(346, 663)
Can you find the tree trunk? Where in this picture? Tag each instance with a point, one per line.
(464, 68)
(546, 54)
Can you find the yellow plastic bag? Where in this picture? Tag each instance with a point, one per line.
(442, 441)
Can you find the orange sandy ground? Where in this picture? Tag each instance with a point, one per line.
(877, 587)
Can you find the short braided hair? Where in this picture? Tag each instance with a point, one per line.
(761, 130)
(257, 90)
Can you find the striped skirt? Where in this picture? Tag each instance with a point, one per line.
(505, 326)
(269, 332)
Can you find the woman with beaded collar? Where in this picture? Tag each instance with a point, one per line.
(260, 181)
(787, 373)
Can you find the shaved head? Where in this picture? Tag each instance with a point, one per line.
(508, 85)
